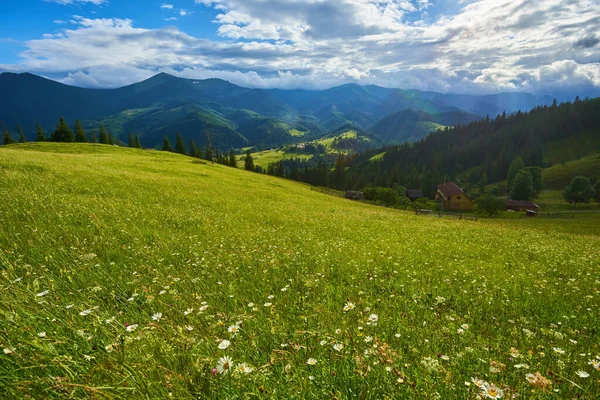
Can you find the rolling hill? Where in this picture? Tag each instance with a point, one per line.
(132, 274)
(197, 109)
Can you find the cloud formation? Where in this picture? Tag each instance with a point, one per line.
(477, 46)
(67, 2)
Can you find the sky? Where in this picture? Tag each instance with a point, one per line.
(463, 46)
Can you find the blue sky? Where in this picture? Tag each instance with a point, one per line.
(462, 46)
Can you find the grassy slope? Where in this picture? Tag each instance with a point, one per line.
(127, 234)
(558, 176)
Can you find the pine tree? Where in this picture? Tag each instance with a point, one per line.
(248, 161)
(179, 145)
(21, 136)
(111, 141)
(7, 138)
(94, 138)
(232, 159)
(62, 133)
(167, 145)
(130, 141)
(103, 135)
(208, 154)
(193, 149)
(138, 144)
(80, 135)
(40, 136)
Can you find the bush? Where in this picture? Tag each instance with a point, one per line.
(489, 205)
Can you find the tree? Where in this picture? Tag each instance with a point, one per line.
(517, 165)
(179, 145)
(194, 149)
(40, 136)
(522, 187)
(138, 144)
(232, 159)
(488, 204)
(538, 180)
(248, 161)
(111, 140)
(94, 138)
(580, 190)
(7, 138)
(167, 145)
(80, 135)
(103, 135)
(21, 136)
(62, 133)
(130, 140)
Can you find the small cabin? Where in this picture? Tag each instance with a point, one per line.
(414, 194)
(520, 205)
(453, 198)
(354, 195)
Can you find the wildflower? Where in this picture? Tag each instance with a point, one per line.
(595, 364)
(445, 358)
(373, 318)
(234, 329)
(132, 328)
(268, 304)
(311, 361)
(460, 331)
(8, 350)
(478, 382)
(270, 297)
(338, 331)
(189, 328)
(431, 364)
(42, 334)
(323, 342)
(519, 366)
(397, 335)
(244, 368)
(224, 365)
(492, 391)
(69, 306)
(42, 294)
(388, 368)
(110, 320)
(157, 317)
(558, 350)
(538, 380)
(88, 358)
(368, 339)
(582, 374)
(465, 326)
(85, 312)
(349, 306)
(224, 344)
(188, 311)
(338, 346)
(250, 305)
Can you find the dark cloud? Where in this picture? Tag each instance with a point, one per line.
(587, 42)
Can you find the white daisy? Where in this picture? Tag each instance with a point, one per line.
(234, 329)
(224, 365)
(349, 306)
(224, 344)
(42, 334)
(132, 328)
(582, 374)
(373, 318)
(311, 361)
(156, 317)
(338, 346)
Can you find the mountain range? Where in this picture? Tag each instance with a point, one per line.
(230, 116)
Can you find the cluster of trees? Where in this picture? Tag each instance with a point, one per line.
(211, 153)
(63, 133)
(581, 190)
(524, 183)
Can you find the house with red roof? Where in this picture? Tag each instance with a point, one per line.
(453, 198)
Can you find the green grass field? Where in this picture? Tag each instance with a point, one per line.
(559, 176)
(132, 274)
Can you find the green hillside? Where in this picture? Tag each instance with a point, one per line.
(128, 274)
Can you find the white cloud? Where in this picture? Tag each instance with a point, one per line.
(185, 13)
(67, 2)
(483, 46)
(167, 6)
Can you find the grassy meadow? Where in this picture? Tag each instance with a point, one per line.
(133, 274)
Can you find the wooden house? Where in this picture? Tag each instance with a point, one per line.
(520, 205)
(453, 198)
(414, 194)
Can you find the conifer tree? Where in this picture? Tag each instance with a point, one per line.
(62, 133)
(130, 141)
(94, 138)
(167, 145)
(193, 149)
(248, 161)
(208, 154)
(232, 159)
(80, 135)
(103, 135)
(21, 136)
(111, 141)
(138, 144)
(40, 136)
(7, 138)
(179, 145)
